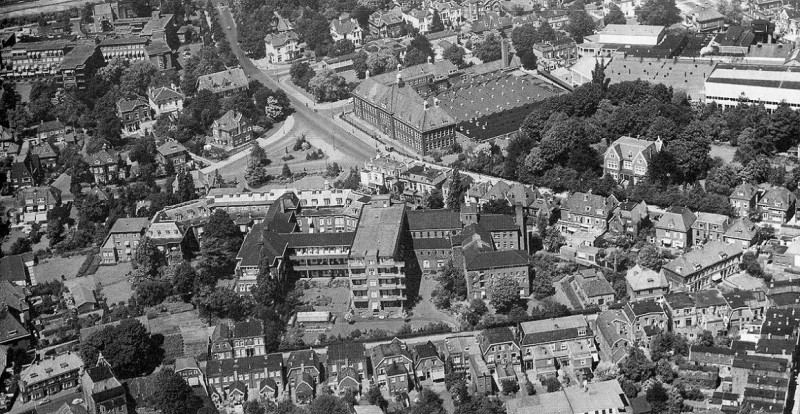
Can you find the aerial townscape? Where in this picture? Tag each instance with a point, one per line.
(399, 206)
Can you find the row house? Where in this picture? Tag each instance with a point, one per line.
(647, 319)
(303, 374)
(691, 313)
(499, 347)
(703, 268)
(709, 227)
(776, 206)
(614, 335)
(464, 354)
(674, 227)
(550, 344)
(49, 376)
(428, 365)
(224, 374)
(240, 340)
(123, 239)
(347, 28)
(588, 212)
(346, 367)
(392, 364)
(642, 283)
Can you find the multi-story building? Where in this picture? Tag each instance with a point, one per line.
(431, 231)
(226, 83)
(382, 172)
(163, 100)
(643, 283)
(591, 288)
(776, 206)
(706, 19)
(106, 166)
(281, 47)
(33, 203)
(741, 232)
(302, 367)
(49, 376)
(674, 227)
(421, 180)
(387, 360)
(386, 23)
(102, 391)
(79, 65)
(376, 263)
(274, 367)
(168, 236)
(628, 218)
(428, 365)
(743, 199)
(550, 343)
(347, 28)
(703, 268)
(132, 112)
(586, 211)
(131, 48)
(190, 371)
(483, 269)
(50, 130)
(614, 335)
(628, 159)
(403, 115)
(345, 360)
(320, 254)
(464, 355)
(682, 313)
(709, 227)
(232, 130)
(562, 51)
(34, 59)
(499, 347)
(240, 340)
(123, 239)
(225, 375)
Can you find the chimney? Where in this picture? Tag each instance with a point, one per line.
(504, 52)
(430, 60)
(425, 105)
(366, 74)
(436, 102)
(400, 82)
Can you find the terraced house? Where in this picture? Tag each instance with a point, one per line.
(499, 347)
(550, 344)
(586, 211)
(703, 268)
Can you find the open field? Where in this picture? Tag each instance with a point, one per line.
(52, 268)
(113, 282)
(193, 331)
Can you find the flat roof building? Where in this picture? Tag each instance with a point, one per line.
(729, 84)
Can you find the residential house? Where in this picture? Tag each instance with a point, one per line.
(102, 391)
(483, 269)
(26, 172)
(499, 347)
(382, 172)
(50, 131)
(163, 100)
(305, 389)
(224, 84)
(282, 47)
(106, 166)
(123, 239)
(591, 288)
(643, 283)
(743, 199)
(674, 227)
(464, 353)
(428, 365)
(420, 180)
(346, 359)
(776, 206)
(190, 371)
(242, 339)
(706, 19)
(742, 232)
(174, 153)
(586, 211)
(682, 312)
(302, 371)
(431, 231)
(561, 51)
(703, 268)
(275, 371)
(628, 218)
(18, 269)
(709, 227)
(386, 23)
(556, 18)
(395, 355)
(48, 157)
(268, 390)
(614, 335)
(232, 130)
(603, 396)
(347, 28)
(548, 344)
(230, 379)
(33, 203)
(132, 112)
(397, 378)
(49, 375)
(647, 319)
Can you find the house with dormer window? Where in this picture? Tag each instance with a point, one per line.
(709, 227)
(674, 227)
(777, 205)
(628, 159)
(550, 343)
(703, 268)
(586, 211)
(743, 199)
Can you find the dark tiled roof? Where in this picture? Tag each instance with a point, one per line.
(248, 329)
(428, 243)
(396, 369)
(497, 222)
(404, 104)
(497, 259)
(780, 322)
(12, 268)
(433, 220)
(775, 346)
(707, 298)
(338, 351)
(307, 357)
(644, 307)
(426, 350)
(679, 300)
(760, 363)
(320, 239)
(495, 336)
(274, 361)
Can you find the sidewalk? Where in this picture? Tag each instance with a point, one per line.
(280, 133)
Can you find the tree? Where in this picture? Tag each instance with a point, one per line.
(172, 395)
(360, 64)
(498, 206)
(183, 278)
(301, 73)
(691, 158)
(650, 257)
(657, 397)
(342, 47)
(722, 179)
(753, 268)
(551, 384)
(428, 402)
(415, 56)
(504, 294)
(489, 50)
(523, 38)
(731, 9)
(128, 347)
(381, 62)
(659, 13)
(481, 404)
(151, 292)
(528, 60)
(668, 344)
(375, 397)
(509, 386)
(136, 79)
(433, 200)
(455, 54)
(55, 231)
(614, 16)
(286, 172)
(549, 308)
(222, 303)
(328, 404)
(186, 191)
(706, 338)
(637, 367)
(477, 309)
(455, 191)
(328, 86)
(580, 25)
(436, 24)
(221, 242)
(147, 259)
(599, 75)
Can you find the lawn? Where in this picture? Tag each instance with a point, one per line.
(113, 282)
(53, 268)
(194, 332)
(722, 151)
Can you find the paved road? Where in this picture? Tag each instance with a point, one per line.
(42, 6)
(317, 123)
(263, 142)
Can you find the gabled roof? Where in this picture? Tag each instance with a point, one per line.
(709, 297)
(339, 351)
(164, 94)
(695, 260)
(495, 336)
(425, 351)
(777, 197)
(679, 300)
(442, 219)
(130, 225)
(590, 204)
(278, 40)
(497, 259)
(628, 148)
(498, 222)
(593, 283)
(642, 278)
(345, 25)
(305, 357)
(128, 105)
(274, 361)
(676, 218)
(13, 269)
(708, 14)
(230, 120)
(404, 104)
(640, 308)
(744, 191)
(742, 229)
(50, 126)
(555, 329)
(171, 148)
(102, 157)
(394, 348)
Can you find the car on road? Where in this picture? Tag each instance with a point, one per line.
(77, 401)
(229, 28)
(43, 402)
